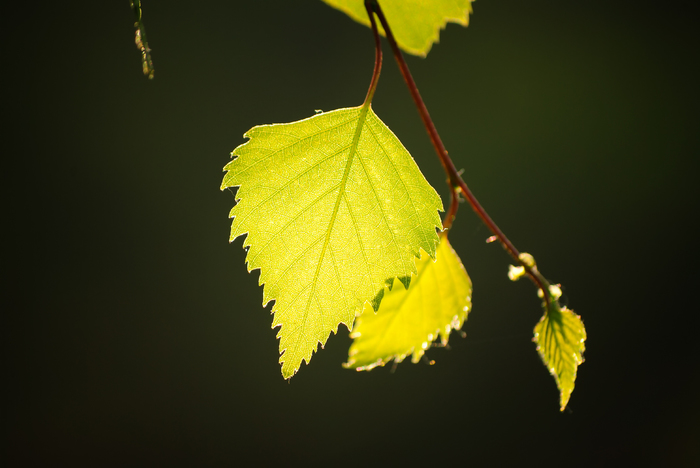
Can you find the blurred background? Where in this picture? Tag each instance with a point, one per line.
(133, 334)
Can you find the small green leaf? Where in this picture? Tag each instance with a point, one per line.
(560, 338)
(332, 206)
(416, 24)
(407, 321)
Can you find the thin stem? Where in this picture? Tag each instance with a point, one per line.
(454, 180)
(373, 6)
(377, 58)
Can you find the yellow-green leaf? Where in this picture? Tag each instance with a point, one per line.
(407, 321)
(416, 24)
(332, 206)
(560, 338)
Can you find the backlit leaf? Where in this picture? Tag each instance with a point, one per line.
(416, 24)
(332, 206)
(560, 338)
(407, 321)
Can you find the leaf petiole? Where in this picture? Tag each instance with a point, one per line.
(377, 62)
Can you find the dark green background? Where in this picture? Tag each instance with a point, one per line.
(133, 334)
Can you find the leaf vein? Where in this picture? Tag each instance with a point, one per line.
(283, 148)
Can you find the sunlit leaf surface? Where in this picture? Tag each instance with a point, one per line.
(560, 338)
(416, 24)
(407, 321)
(332, 206)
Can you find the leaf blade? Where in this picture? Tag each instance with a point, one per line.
(415, 24)
(332, 205)
(560, 337)
(437, 301)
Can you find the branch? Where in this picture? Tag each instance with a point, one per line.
(454, 180)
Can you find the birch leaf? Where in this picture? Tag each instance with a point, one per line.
(416, 24)
(407, 321)
(332, 206)
(560, 338)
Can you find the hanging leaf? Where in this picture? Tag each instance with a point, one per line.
(560, 338)
(416, 24)
(407, 321)
(332, 206)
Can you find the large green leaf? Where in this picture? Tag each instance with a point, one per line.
(560, 338)
(416, 24)
(407, 321)
(333, 206)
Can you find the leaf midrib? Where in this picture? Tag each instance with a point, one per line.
(341, 193)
